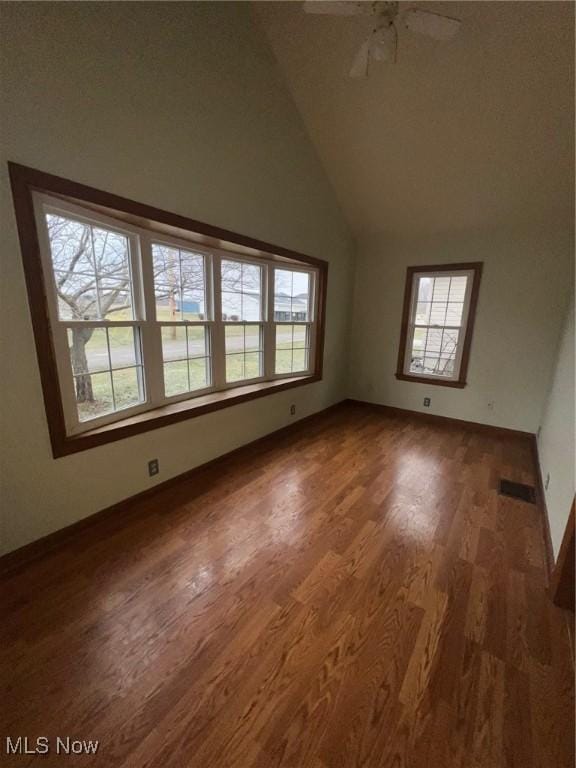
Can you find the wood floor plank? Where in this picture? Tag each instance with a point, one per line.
(487, 746)
(351, 593)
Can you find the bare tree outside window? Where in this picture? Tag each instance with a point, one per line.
(92, 274)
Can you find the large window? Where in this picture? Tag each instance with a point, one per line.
(439, 308)
(142, 317)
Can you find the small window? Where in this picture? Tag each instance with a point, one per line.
(439, 308)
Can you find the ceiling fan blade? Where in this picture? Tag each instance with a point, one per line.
(337, 8)
(431, 24)
(361, 60)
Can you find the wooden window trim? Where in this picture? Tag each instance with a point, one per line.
(24, 182)
(476, 268)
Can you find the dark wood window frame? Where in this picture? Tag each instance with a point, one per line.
(26, 181)
(476, 268)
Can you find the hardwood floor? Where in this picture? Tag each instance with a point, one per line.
(353, 593)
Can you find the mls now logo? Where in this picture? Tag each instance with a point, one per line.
(22, 745)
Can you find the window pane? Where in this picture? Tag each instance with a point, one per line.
(176, 378)
(450, 342)
(458, 288)
(437, 313)
(174, 345)
(235, 367)
(231, 306)
(243, 346)
(88, 349)
(454, 313)
(167, 302)
(417, 362)
(241, 291)
(430, 364)
(434, 340)
(77, 298)
(197, 341)
(193, 286)
(440, 308)
(291, 295)
(283, 363)
(418, 348)
(425, 286)
(185, 350)
(73, 266)
(127, 390)
(234, 338)
(292, 348)
(96, 355)
(283, 336)
(93, 395)
(423, 312)
(166, 264)
(441, 289)
(91, 267)
(252, 338)
(123, 347)
(115, 301)
(252, 365)
(111, 254)
(231, 276)
(251, 278)
(179, 283)
(199, 372)
(299, 360)
(447, 367)
(300, 336)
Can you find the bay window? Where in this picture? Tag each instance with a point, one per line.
(144, 318)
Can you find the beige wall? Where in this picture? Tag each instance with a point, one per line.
(525, 284)
(178, 105)
(556, 443)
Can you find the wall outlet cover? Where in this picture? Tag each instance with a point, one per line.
(153, 467)
(292, 410)
(427, 402)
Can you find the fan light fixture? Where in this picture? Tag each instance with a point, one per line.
(382, 42)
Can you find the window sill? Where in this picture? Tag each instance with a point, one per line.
(175, 412)
(433, 382)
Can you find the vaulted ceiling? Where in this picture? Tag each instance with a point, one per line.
(470, 133)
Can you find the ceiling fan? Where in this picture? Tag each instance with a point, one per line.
(382, 42)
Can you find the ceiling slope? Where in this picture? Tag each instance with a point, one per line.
(471, 133)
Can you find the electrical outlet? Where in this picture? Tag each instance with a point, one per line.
(292, 410)
(153, 467)
(547, 483)
(427, 402)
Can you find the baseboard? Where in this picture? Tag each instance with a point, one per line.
(541, 498)
(15, 560)
(437, 419)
